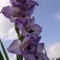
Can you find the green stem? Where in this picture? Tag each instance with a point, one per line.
(19, 57)
(17, 31)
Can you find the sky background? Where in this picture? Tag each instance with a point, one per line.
(47, 15)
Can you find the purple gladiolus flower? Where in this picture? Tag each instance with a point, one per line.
(11, 13)
(29, 6)
(27, 43)
(29, 49)
(24, 11)
(20, 13)
(14, 12)
(30, 28)
(19, 47)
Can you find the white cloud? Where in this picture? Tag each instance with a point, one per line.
(4, 3)
(11, 35)
(56, 15)
(54, 50)
(5, 24)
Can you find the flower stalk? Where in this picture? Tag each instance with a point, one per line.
(18, 57)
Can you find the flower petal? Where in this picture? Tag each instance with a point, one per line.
(28, 45)
(29, 56)
(15, 47)
(29, 7)
(7, 11)
(42, 56)
(40, 47)
(15, 3)
(19, 25)
(22, 21)
(11, 12)
(33, 28)
(37, 29)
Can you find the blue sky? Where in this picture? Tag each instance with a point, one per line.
(47, 15)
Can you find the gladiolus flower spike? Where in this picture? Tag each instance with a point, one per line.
(20, 13)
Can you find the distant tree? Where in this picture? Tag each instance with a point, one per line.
(58, 58)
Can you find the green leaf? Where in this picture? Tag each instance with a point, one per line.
(1, 56)
(4, 51)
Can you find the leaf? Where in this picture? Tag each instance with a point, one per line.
(4, 51)
(1, 56)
